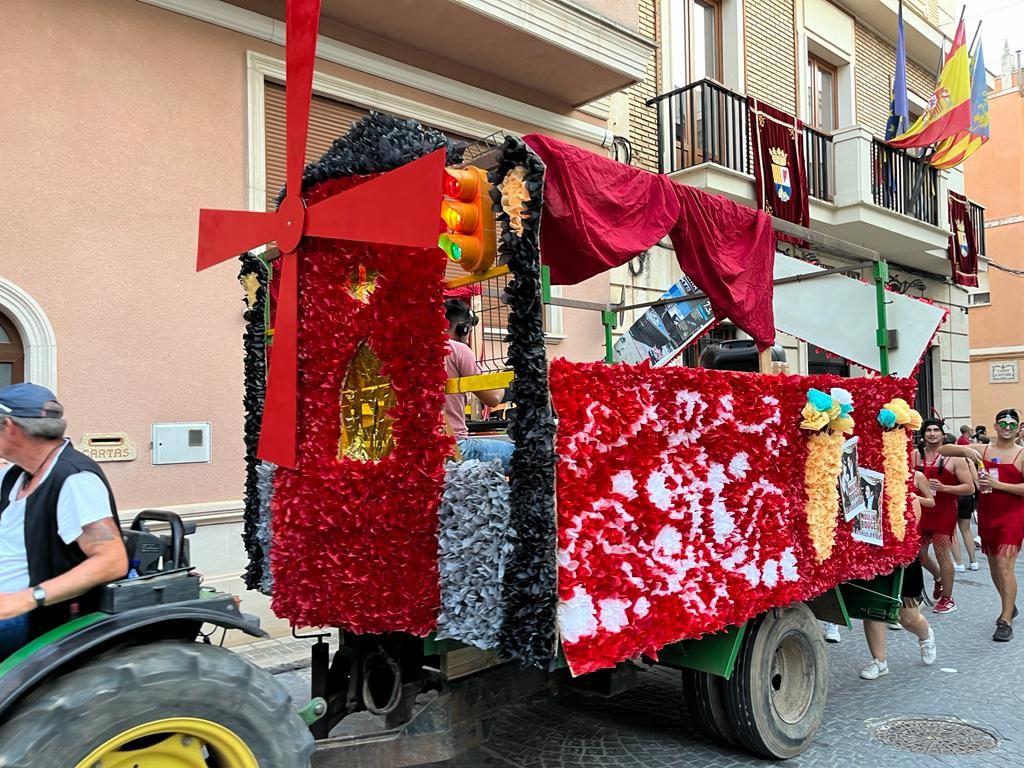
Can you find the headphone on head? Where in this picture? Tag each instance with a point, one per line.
(458, 308)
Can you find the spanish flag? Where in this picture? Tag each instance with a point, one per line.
(949, 109)
(955, 150)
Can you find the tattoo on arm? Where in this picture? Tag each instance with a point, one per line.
(97, 533)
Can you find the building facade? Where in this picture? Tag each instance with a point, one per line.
(829, 64)
(123, 117)
(995, 175)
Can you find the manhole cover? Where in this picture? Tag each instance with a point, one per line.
(934, 736)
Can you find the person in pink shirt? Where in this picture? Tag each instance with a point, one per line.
(462, 362)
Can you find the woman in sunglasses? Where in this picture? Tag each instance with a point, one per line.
(1000, 510)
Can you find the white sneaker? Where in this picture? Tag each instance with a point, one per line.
(959, 568)
(895, 626)
(973, 566)
(977, 541)
(875, 670)
(928, 648)
(831, 632)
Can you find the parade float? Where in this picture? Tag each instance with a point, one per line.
(698, 519)
(651, 515)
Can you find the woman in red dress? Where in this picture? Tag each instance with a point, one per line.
(1001, 511)
(948, 478)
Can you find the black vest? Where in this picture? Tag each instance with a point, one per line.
(48, 555)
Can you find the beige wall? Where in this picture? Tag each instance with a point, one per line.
(876, 62)
(771, 52)
(126, 119)
(643, 120)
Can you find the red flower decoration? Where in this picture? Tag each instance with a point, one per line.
(355, 542)
(681, 503)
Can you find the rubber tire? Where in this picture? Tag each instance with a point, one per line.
(749, 694)
(704, 696)
(63, 720)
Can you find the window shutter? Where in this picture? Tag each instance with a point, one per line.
(328, 119)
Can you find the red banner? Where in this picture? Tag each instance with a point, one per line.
(963, 242)
(779, 169)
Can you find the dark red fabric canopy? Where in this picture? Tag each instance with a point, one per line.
(599, 214)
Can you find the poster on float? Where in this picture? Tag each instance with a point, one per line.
(868, 525)
(664, 331)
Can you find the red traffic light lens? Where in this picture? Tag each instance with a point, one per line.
(452, 186)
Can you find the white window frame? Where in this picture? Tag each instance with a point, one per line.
(672, 12)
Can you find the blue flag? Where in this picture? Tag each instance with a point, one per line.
(899, 111)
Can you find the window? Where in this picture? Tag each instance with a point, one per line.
(979, 299)
(822, 97)
(705, 40)
(12, 354)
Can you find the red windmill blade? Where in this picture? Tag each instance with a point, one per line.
(396, 208)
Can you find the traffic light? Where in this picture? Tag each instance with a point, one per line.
(467, 215)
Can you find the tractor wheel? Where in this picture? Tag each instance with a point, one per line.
(776, 695)
(704, 695)
(174, 704)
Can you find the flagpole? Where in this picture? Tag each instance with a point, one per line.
(974, 39)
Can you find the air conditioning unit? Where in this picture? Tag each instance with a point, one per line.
(182, 443)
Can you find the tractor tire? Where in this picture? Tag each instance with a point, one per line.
(776, 695)
(704, 696)
(150, 700)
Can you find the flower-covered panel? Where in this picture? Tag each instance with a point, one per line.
(681, 503)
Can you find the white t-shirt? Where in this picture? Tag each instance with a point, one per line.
(83, 499)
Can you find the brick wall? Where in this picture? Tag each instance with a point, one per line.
(771, 54)
(643, 120)
(876, 64)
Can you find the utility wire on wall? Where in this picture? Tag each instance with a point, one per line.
(1008, 270)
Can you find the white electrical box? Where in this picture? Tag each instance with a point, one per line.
(185, 443)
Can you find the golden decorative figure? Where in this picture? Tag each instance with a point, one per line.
(251, 284)
(361, 284)
(513, 195)
(366, 399)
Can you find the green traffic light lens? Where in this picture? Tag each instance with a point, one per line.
(450, 247)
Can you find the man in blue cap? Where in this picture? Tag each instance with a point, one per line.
(60, 539)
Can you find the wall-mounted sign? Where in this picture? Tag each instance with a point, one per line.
(108, 446)
(1003, 373)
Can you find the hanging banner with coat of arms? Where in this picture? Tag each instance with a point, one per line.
(963, 242)
(779, 171)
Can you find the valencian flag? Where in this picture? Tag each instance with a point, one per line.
(955, 150)
(899, 109)
(949, 109)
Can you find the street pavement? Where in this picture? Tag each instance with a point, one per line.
(975, 684)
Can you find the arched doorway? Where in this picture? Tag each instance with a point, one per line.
(25, 321)
(12, 353)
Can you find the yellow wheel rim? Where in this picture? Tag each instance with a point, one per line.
(174, 742)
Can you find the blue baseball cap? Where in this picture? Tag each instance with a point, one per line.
(29, 401)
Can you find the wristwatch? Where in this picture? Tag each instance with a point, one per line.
(39, 595)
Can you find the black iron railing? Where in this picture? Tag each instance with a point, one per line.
(978, 220)
(903, 183)
(818, 161)
(702, 123)
(705, 122)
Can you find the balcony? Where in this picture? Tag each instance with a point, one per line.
(550, 53)
(860, 189)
